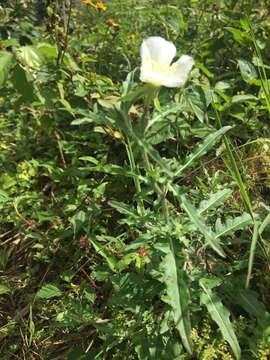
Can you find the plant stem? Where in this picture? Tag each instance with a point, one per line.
(136, 180)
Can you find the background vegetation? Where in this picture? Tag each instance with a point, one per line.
(118, 243)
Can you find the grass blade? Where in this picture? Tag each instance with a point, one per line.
(252, 252)
(233, 168)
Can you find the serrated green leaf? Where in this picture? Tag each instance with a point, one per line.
(214, 200)
(201, 226)
(177, 291)
(123, 208)
(220, 314)
(231, 225)
(102, 251)
(48, 291)
(203, 148)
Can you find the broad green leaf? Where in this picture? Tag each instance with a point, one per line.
(154, 346)
(250, 303)
(248, 71)
(231, 225)
(21, 82)
(4, 289)
(201, 226)
(4, 197)
(111, 261)
(6, 62)
(215, 200)
(220, 314)
(48, 291)
(177, 291)
(78, 220)
(47, 50)
(113, 169)
(243, 98)
(238, 35)
(202, 149)
(30, 56)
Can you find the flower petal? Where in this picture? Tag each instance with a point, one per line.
(157, 50)
(178, 72)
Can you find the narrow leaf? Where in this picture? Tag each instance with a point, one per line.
(252, 251)
(233, 167)
(220, 314)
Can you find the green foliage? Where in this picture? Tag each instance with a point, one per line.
(135, 222)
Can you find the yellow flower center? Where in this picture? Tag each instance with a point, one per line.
(101, 6)
(158, 67)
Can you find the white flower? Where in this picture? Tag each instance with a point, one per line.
(157, 55)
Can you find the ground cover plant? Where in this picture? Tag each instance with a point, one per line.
(135, 217)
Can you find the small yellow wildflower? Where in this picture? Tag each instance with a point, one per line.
(112, 22)
(88, 2)
(131, 36)
(100, 6)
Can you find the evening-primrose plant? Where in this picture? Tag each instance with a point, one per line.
(154, 175)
